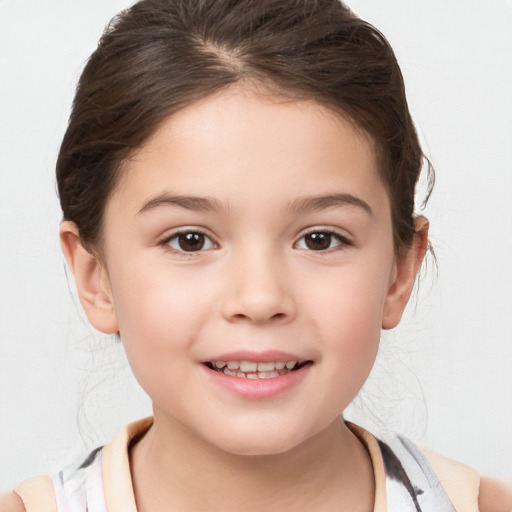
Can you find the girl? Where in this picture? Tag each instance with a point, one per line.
(237, 183)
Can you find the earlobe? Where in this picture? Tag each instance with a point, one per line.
(407, 267)
(91, 280)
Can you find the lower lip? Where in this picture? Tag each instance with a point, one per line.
(258, 389)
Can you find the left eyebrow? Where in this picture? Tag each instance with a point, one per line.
(196, 203)
(322, 202)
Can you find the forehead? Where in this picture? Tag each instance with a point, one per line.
(240, 140)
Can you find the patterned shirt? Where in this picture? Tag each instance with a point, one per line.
(404, 479)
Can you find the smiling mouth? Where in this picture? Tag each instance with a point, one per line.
(255, 370)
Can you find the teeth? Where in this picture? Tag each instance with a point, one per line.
(255, 370)
(268, 375)
(248, 366)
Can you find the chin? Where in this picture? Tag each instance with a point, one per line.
(258, 441)
(252, 448)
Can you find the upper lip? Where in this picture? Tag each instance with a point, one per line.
(266, 356)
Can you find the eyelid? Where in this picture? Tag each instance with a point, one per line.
(165, 240)
(344, 240)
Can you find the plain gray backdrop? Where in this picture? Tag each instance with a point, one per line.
(444, 376)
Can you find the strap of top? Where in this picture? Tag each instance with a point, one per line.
(37, 494)
(460, 482)
(117, 480)
(379, 472)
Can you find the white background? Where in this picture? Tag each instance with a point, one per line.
(444, 377)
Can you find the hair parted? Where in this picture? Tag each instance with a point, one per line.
(159, 56)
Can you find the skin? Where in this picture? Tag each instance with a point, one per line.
(261, 162)
(494, 496)
(255, 286)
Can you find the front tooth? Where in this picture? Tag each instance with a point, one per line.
(220, 364)
(233, 365)
(264, 375)
(291, 364)
(280, 365)
(266, 367)
(252, 375)
(248, 366)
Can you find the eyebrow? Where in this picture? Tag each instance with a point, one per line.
(309, 203)
(202, 204)
(299, 205)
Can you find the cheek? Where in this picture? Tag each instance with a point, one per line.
(158, 325)
(159, 315)
(347, 313)
(348, 302)
(351, 333)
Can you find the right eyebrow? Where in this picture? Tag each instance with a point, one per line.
(196, 203)
(323, 202)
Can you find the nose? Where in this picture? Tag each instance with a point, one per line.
(259, 290)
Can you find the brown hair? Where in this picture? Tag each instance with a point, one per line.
(161, 55)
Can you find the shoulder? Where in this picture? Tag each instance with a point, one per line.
(11, 502)
(463, 482)
(76, 488)
(494, 496)
(35, 494)
(403, 474)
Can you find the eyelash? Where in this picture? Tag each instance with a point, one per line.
(342, 241)
(166, 242)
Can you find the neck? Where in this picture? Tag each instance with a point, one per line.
(174, 470)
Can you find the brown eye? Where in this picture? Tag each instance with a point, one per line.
(191, 241)
(321, 241)
(318, 241)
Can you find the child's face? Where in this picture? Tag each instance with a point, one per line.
(284, 253)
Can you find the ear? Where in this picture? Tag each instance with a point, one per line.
(91, 280)
(406, 268)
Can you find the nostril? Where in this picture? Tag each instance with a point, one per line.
(278, 316)
(239, 316)
(258, 309)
